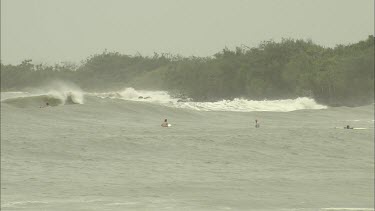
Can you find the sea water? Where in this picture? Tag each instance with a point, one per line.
(109, 152)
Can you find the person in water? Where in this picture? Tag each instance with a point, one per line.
(165, 123)
(47, 105)
(348, 127)
(257, 123)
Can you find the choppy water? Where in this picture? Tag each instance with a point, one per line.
(111, 154)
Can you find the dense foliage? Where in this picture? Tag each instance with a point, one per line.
(343, 75)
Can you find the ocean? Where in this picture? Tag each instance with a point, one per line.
(107, 151)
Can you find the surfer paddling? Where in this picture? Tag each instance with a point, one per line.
(165, 123)
(257, 125)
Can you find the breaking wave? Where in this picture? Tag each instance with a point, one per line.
(58, 94)
(243, 105)
(53, 99)
(239, 105)
(139, 95)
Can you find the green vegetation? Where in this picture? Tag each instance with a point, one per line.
(343, 75)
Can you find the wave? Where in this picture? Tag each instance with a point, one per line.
(244, 105)
(139, 95)
(60, 94)
(53, 99)
(239, 105)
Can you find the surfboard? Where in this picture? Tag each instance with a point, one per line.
(169, 125)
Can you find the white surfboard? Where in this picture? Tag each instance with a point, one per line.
(168, 125)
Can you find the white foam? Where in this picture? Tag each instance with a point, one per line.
(63, 91)
(138, 95)
(64, 95)
(244, 105)
(240, 105)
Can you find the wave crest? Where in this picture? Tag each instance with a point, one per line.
(55, 94)
(238, 104)
(53, 99)
(138, 95)
(244, 105)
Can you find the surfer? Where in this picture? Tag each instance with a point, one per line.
(165, 123)
(257, 125)
(348, 127)
(47, 105)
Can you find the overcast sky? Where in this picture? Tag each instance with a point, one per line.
(52, 31)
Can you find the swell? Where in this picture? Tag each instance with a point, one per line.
(43, 100)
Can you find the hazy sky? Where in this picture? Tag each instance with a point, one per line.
(51, 31)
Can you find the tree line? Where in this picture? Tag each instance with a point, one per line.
(339, 76)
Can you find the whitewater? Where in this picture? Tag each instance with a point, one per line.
(107, 151)
(240, 105)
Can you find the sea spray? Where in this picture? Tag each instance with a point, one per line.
(54, 93)
(138, 95)
(67, 91)
(238, 104)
